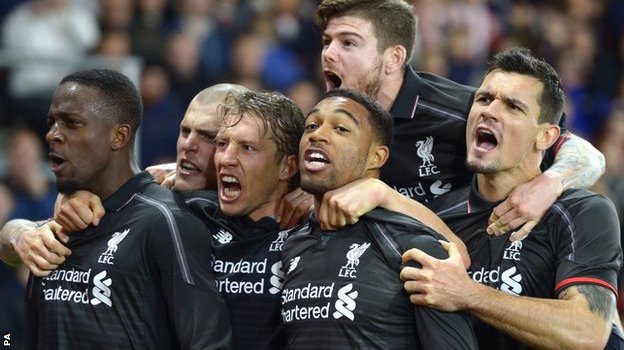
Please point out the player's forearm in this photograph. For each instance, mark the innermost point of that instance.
(11, 231)
(541, 323)
(577, 164)
(393, 200)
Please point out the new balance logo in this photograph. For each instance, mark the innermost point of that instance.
(293, 263)
(101, 292)
(223, 236)
(346, 302)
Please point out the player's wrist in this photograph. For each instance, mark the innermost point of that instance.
(384, 194)
(8, 252)
(553, 179)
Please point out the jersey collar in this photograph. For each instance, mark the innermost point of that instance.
(123, 195)
(403, 107)
(244, 226)
(476, 202)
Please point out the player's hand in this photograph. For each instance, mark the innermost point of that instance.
(39, 249)
(436, 283)
(79, 210)
(344, 205)
(164, 174)
(525, 207)
(294, 208)
(169, 180)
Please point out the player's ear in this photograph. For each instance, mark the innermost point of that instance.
(120, 136)
(394, 58)
(547, 136)
(378, 157)
(289, 167)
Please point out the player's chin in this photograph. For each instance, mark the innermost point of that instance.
(189, 183)
(231, 209)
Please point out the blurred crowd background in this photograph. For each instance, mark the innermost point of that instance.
(172, 49)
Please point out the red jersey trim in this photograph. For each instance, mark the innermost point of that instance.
(584, 280)
(561, 141)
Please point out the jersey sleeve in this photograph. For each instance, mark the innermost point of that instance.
(438, 329)
(589, 243)
(183, 255)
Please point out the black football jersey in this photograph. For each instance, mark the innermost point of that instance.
(141, 279)
(576, 242)
(342, 289)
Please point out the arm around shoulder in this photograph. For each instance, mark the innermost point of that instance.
(393, 200)
(33, 244)
(577, 164)
(11, 232)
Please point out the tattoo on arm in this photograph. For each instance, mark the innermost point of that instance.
(578, 163)
(601, 301)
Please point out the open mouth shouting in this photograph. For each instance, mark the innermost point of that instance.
(315, 160)
(56, 162)
(485, 139)
(332, 80)
(230, 188)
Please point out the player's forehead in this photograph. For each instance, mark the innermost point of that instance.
(350, 25)
(76, 99)
(512, 86)
(201, 117)
(340, 107)
(246, 127)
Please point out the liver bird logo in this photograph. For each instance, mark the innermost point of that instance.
(424, 151)
(114, 241)
(354, 254)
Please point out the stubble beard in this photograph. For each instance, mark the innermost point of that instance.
(475, 167)
(370, 85)
(67, 186)
(316, 187)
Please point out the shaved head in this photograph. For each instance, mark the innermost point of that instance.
(217, 93)
(195, 147)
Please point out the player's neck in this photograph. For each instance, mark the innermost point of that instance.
(268, 208)
(389, 90)
(497, 186)
(111, 178)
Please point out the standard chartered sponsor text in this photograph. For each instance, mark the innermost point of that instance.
(247, 277)
(308, 291)
(63, 294)
(240, 266)
(299, 313)
(60, 293)
(70, 275)
(240, 287)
